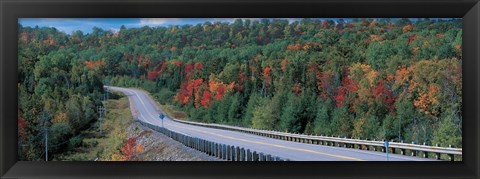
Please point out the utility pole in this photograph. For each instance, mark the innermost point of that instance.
(399, 128)
(105, 100)
(46, 134)
(101, 110)
(46, 144)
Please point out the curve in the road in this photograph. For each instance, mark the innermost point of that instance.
(148, 112)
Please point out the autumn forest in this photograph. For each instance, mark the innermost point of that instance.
(396, 79)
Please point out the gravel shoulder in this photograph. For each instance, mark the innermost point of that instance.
(158, 147)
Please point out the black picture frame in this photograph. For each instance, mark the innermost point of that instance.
(11, 10)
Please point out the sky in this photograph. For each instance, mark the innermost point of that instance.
(69, 25)
(86, 24)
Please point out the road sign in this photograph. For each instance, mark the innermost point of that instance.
(161, 117)
(386, 147)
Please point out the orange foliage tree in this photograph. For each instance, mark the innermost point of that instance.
(407, 28)
(92, 64)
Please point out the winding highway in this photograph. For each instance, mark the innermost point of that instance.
(148, 111)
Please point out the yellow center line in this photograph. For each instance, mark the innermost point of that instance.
(273, 145)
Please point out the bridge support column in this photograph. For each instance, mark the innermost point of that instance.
(414, 152)
(237, 153)
(214, 151)
(224, 152)
(188, 140)
(191, 140)
(451, 156)
(228, 152)
(220, 151)
(249, 155)
(197, 141)
(254, 156)
(437, 155)
(269, 157)
(211, 148)
(204, 146)
(242, 154)
(232, 149)
(425, 154)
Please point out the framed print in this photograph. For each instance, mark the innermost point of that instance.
(239, 89)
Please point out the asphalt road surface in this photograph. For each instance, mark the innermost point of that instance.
(149, 112)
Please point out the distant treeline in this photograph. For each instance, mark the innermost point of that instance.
(362, 78)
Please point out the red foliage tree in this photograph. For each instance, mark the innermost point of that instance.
(340, 98)
(379, 89)
(196, 87)
(411, 38)
(324, 24)
(324, 82)
(198, 66)
(22, 126)
(241, 79)
(128, 148)
(384, 94)
(206, 98)
(187, 89)
(220, 92)
(152, 75)
(266, 72)
(350, 84)
(188, 68)
(347, 86)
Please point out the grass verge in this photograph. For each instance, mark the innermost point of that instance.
(98, 146)
(171, 111)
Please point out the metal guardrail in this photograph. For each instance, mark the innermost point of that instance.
(402, 148)
(221, 151)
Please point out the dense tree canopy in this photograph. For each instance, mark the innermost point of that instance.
(366, 78)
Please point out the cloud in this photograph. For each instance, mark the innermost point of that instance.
(115, 30)
(231, 20)
(157, 21)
